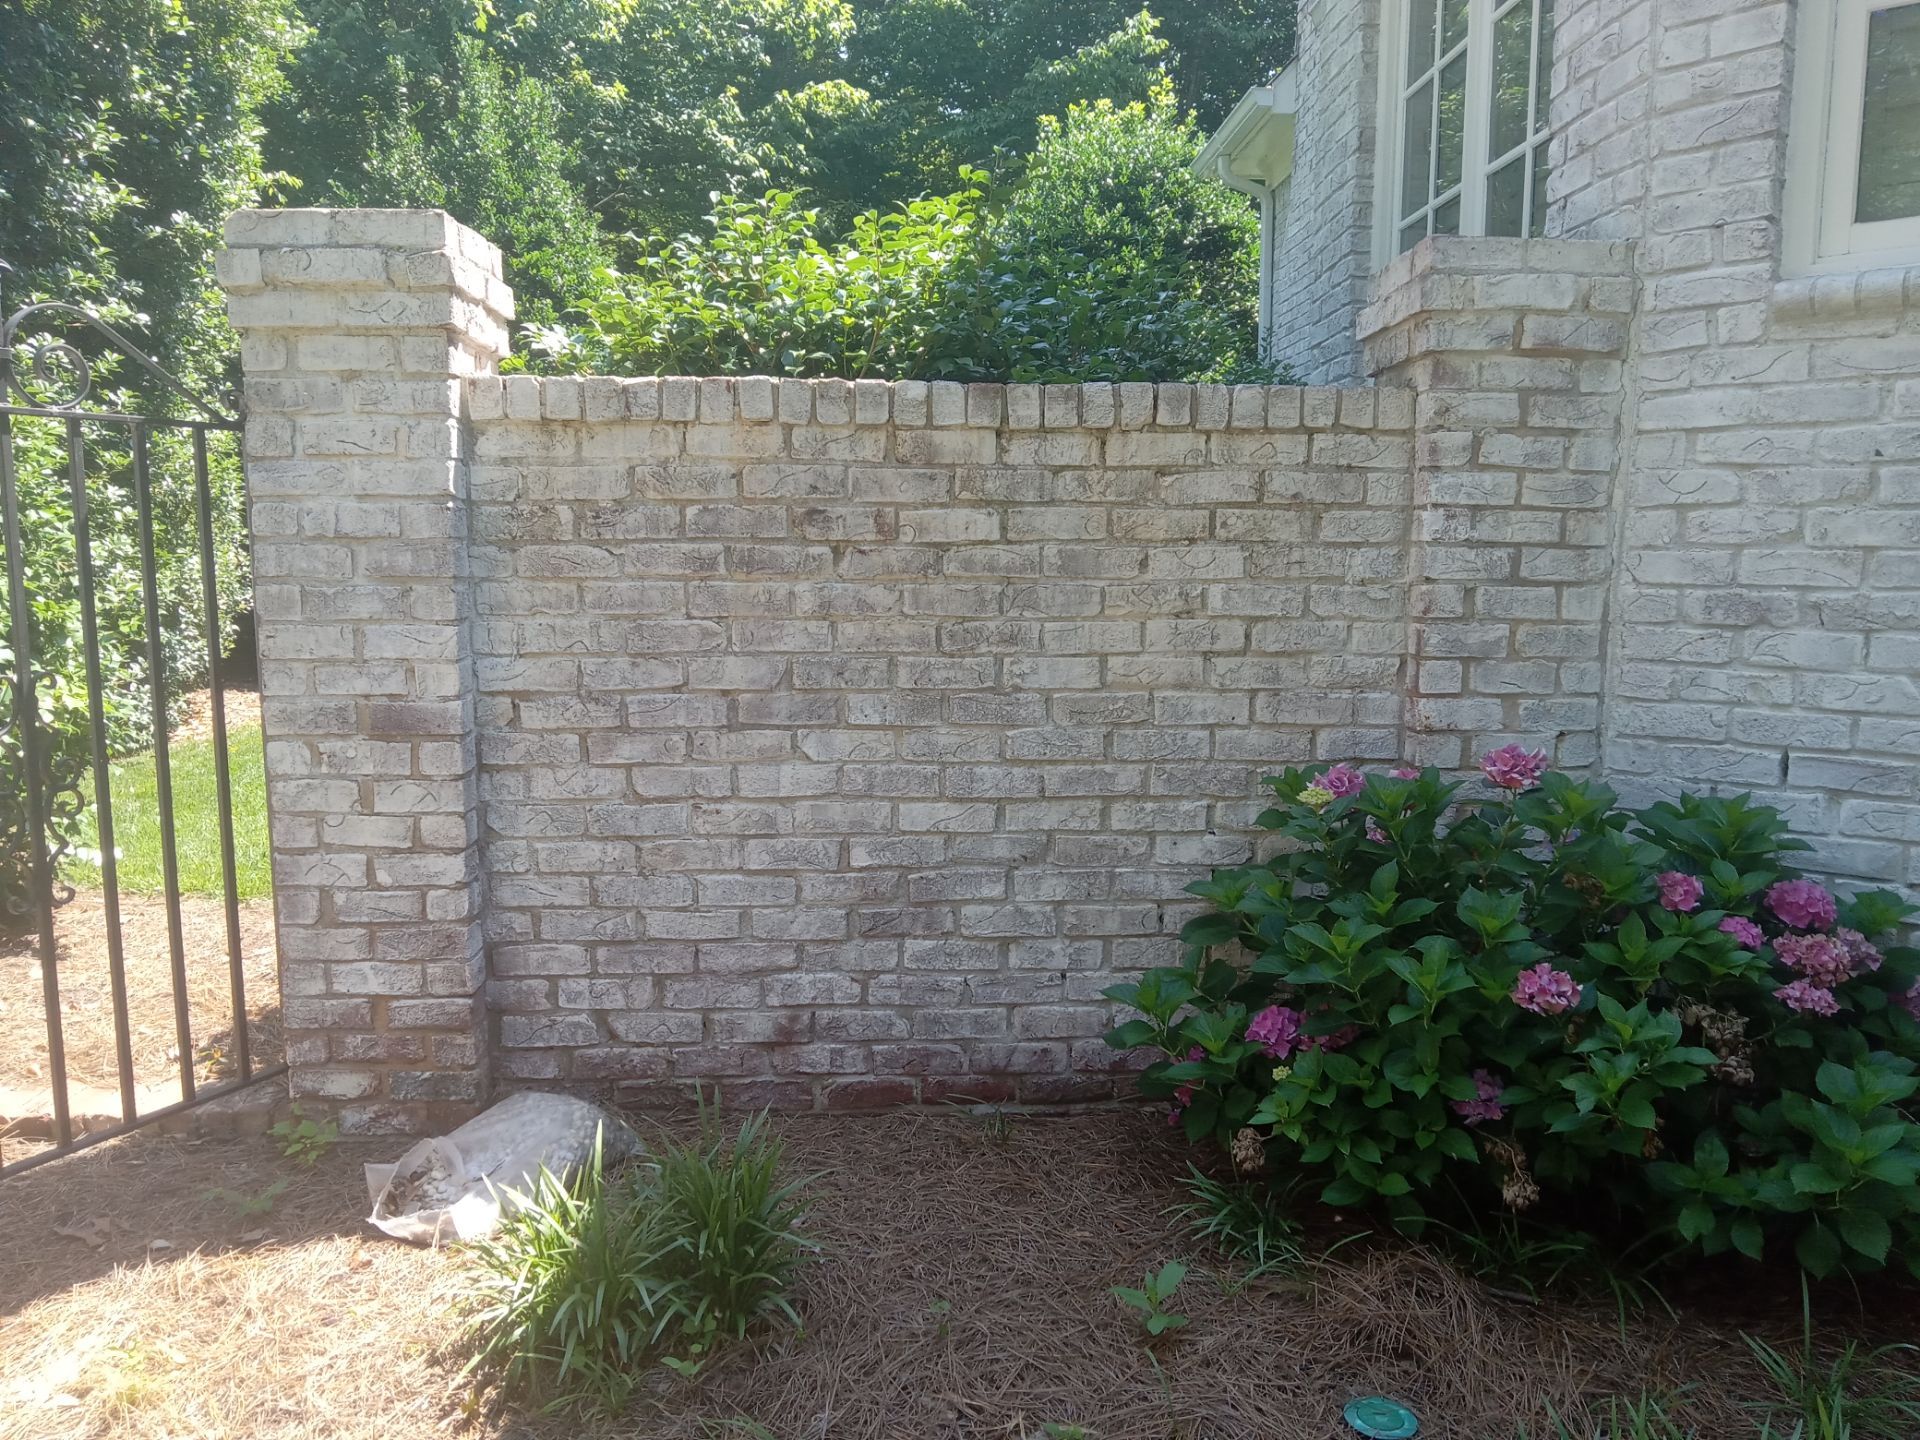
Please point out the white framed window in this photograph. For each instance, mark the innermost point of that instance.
(1463, 120)
(1853, 168)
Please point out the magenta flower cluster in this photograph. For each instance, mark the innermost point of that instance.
(1802, 905)
(1864, 954)
(1512, 767)
(1277, 1029)
(1911, 1000)
(1545, 990)
(1183, 1097)
(1744, 930)
(1486, 1102)
(1808, 998)
(1819, 958)
(1679, 890)
(1342, 780)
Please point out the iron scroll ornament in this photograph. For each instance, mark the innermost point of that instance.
(57, 370)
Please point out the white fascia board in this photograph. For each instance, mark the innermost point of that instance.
(1253, 149)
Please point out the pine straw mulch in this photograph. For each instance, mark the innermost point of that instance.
(86, 1008)
(963, 1297)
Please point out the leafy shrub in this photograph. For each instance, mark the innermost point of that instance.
(1537, 996)
(593, 1280)
(1111, 260)
(765, 295)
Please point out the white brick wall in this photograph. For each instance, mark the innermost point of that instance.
(1322, 255)
(1762, 580)
(844, 742)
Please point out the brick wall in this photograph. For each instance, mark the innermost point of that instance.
(1762, 572)
(846, 740)
(1322, 254)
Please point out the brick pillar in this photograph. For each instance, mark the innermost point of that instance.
(1516, 350)
(356, 328)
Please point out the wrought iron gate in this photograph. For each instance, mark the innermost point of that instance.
(49, 354)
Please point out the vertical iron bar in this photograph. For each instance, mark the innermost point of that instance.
(28, 722)
(102, 774)
(162, 767)
(222, 782)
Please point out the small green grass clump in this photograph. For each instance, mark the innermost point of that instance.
(593, 1281)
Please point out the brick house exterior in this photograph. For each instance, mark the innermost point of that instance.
(840, 742)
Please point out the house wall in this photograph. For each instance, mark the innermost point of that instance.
(1322, 262)
(1763, 582)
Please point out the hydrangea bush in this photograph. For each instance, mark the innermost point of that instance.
(1518, 993)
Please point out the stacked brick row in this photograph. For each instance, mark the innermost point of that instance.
(842, 741)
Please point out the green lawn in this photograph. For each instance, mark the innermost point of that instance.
(136, 820)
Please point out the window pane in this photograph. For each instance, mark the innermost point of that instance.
(1417, 166)
(1452, 123)
(1543, 91)
(1890, 120)
(1420, 22)
(1412, 235)
(1507, 197)
(1453, 24)
(1512, 69)
(1537, 216)
(1446, 218)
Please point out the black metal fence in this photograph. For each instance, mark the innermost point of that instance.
(56, 752)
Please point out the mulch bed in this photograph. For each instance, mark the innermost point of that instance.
(963, 1295)
(86, 1007)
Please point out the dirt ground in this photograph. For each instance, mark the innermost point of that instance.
(86, 1009)
(963, 1295)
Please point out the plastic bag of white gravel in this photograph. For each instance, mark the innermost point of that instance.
(457, 1186)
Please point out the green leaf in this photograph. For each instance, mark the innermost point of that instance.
(1818, 1250)
(1866, 1231)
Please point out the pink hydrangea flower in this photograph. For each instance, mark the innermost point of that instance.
(1513, 768)
(1276, 1030)
(1679, 890)
(1820, 958)
(1863, 952)
(1911, 1000)
(1802, 904)
(1808, 998)
(1374, 832)
(1744, 931)
(1545, 990)
(1183, 1097)
(1404, 772)
(1486, 1104)
(1343, 780)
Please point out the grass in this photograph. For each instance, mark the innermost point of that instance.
(135, 792)
(597, 1277)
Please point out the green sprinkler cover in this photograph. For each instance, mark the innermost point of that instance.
(1381, 1419)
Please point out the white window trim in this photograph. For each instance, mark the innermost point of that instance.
(1390, 126)
(1823, 149)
